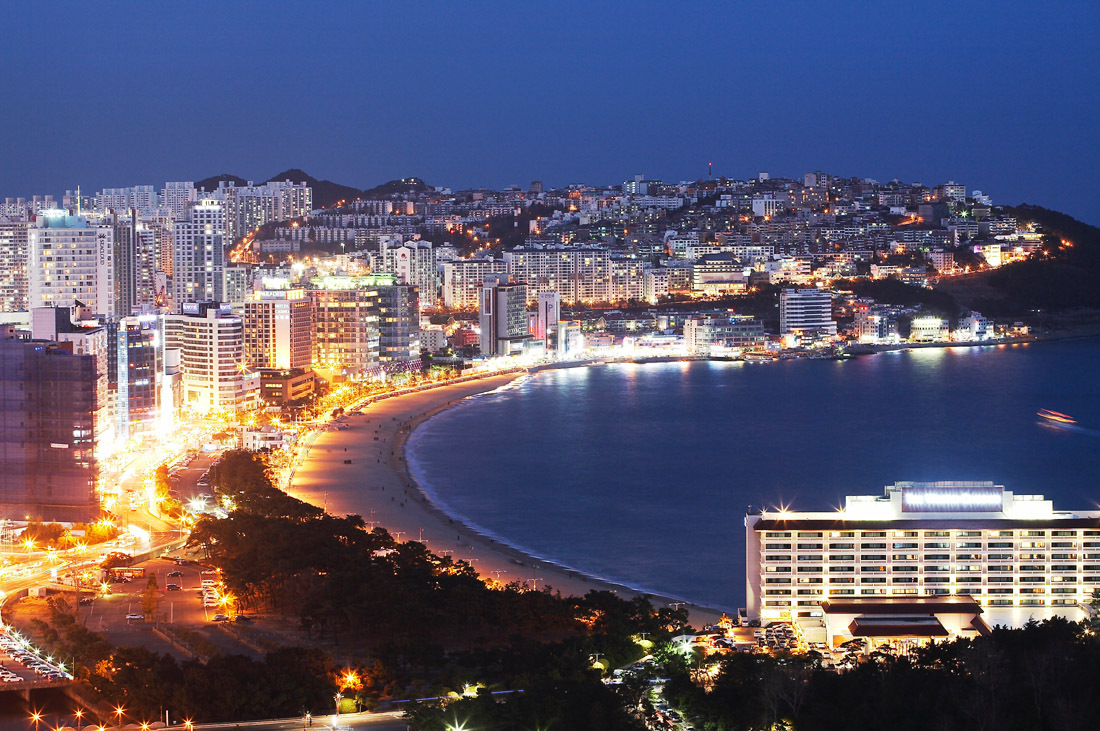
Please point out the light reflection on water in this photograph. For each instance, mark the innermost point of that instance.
(644, 472)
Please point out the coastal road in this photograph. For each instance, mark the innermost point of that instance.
(388, 721)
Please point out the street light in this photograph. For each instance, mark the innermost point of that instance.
(79, 713)
(119, 710)
(36, 717)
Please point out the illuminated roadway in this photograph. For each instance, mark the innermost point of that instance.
(388, 721)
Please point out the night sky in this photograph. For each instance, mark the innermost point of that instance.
(1000, 96)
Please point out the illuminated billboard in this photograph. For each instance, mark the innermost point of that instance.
(952, 499)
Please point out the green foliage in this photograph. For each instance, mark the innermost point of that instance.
(286, 682)
(1065, 277)
(895, 292)
(43, 534)
(1038, 677)
(428, 623)
(150, 597)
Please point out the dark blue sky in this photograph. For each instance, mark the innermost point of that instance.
(1001, 96)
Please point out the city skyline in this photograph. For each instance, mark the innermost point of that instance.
(497, 97)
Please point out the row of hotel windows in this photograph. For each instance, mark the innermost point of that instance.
(930, 533)
(945, 569)
(991, 591)
(913, 545)
(912, 557)
(817, 580)
(1001, 602)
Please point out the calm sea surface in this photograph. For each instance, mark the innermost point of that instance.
(643, 473)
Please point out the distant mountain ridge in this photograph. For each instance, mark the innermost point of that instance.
(326, 193)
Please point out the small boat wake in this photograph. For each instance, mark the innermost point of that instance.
(1056, 420)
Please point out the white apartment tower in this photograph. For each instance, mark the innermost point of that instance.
(806, 311)
(176, 197)
(198, 260)
(462, 277)
(580, 274)
(71, 259)
(141, 198)
(413, 263)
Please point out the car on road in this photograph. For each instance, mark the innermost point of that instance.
(221, 618)
(175, 573)
(173, 587)
(130, 617)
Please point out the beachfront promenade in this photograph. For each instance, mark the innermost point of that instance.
(377, 485)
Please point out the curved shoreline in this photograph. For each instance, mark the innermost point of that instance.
(381, 430)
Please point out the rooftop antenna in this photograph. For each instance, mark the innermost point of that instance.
(710, 171)
(78, 199)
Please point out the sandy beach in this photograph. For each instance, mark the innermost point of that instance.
(378, 486)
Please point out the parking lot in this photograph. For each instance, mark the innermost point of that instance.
(118, 614)
(20, 662)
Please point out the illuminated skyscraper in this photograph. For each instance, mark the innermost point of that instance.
(278, 329)
(503, 315)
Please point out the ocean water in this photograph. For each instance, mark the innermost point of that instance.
(643, 473)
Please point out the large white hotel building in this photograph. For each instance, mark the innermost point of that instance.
(1015, 555)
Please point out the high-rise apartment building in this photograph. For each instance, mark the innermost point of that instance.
(71, 259)
(136, 263)
(210, 340)
(278, 329)
(198, 261)
(503, 315)
(13, 265)
(1015, 554)
(177, 197)
(141, 198)
(806, 311)
(239, 283)
(413, 263)
(462, 277)
(48, 412)
(22, 209)
(578, 274)
(249, 206)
